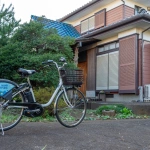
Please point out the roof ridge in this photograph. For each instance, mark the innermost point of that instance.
(52, 20)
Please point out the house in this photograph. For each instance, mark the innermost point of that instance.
(113, 48)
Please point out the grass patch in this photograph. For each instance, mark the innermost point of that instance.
(121, 112)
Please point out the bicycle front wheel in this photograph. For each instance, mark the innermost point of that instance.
(70, 110)
(10, 115)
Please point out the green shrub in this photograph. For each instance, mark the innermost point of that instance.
(42, 96)
(117, 108)
(126, 111)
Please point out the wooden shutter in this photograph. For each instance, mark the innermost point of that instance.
(100, 19)
(102, 72)
(128, 75)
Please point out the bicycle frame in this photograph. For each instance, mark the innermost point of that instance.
(59, 88)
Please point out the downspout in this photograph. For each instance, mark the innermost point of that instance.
(142, 58)
(123, 9)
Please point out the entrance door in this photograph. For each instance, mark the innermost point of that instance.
(83, 66)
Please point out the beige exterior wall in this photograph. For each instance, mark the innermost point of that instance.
(126, 33)
(108, 7)
(107, 40)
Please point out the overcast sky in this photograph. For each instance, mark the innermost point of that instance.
(52, 9)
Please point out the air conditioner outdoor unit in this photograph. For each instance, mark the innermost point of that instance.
(147, 91)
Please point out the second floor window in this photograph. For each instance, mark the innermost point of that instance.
(94, 22)
(88, 24)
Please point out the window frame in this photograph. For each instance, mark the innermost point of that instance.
(107, 52)
(87, 19)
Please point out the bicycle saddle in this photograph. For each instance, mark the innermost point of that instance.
(25, 72)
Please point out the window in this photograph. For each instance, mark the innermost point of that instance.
(88, 24)
(107, 47)
(91, 23)
(107, 67)
(84, 26)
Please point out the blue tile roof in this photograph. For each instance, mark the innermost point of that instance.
(63, 29)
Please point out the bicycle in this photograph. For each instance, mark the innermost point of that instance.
(19, 100)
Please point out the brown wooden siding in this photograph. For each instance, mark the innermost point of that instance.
(129, 11)
(91, 70)
(146, 63)
(127, 64)
(78, 28)
(140, 58)
(83, 66)
(100, 18)
(114, 15)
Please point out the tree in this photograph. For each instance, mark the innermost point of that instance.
(8, 24)
(28, 47)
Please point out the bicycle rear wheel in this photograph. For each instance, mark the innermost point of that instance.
(71, 112)
(10, 116)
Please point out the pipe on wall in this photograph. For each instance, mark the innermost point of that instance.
(123, 9)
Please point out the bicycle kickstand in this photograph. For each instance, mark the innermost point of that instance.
(0, 119)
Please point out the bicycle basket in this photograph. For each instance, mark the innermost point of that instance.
(72, 76)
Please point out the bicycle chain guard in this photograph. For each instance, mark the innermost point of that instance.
(34, 111)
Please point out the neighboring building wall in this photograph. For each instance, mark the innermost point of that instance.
(78, 28)
(132, 4)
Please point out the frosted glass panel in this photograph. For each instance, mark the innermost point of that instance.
(102, 72)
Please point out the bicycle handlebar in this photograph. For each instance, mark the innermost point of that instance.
(62, 59)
